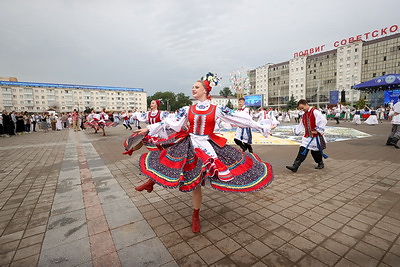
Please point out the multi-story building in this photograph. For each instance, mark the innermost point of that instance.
(38, 97)
(297, 77)
(380, 57)
(320, 77)
(349, 69)
(278, 84)
(261, 83)
(253, 83)
(316, 77)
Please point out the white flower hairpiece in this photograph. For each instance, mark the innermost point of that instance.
(212, 78)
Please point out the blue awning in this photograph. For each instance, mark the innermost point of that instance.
(386, 82)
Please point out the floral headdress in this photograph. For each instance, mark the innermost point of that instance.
(209, 81)
(158, 102)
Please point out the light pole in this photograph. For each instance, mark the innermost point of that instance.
(279, 96)
(352, 90)
(318, 94)
(167, 100)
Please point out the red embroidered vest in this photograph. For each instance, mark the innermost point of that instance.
(154, 119)
(202, 122)
(308, 120)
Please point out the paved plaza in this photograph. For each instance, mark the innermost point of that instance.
(67, 199)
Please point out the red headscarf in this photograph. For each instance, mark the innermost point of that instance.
(158, 102)
(208, 88)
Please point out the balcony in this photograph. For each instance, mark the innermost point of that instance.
(28, 103)
(28, 96)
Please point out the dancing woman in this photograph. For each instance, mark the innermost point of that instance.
(150, 117)
(194, 154)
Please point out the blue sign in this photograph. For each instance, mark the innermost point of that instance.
(253, 100)
(334, 97)
(391, 96)
(70, 86)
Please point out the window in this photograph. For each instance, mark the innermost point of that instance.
(366, 61)
(384, 58)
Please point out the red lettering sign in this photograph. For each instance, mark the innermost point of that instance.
(350, 40)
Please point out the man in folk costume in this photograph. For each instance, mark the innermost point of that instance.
(313, 122)
(395, 115)
(243, 137)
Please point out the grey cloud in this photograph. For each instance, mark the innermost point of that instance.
(167, 45)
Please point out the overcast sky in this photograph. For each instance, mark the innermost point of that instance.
(167, 45)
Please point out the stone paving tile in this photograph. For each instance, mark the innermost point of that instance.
(342, 215)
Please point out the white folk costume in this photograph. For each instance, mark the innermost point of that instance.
(357, 117)
(99, 121)
(151, 117)
(124, 117)
(58, 123)
(265, 118)
(381, 113)
(395, 134)
(194, 152)
(312, 120)
(134, 142)
(243, 136)
(372, 119)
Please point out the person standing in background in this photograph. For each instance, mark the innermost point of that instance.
(75, 120)
(394, 114)
(243, 137)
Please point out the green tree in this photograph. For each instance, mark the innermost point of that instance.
(225, 92)
(169, 100)
(360, 103)
(229, 104)
(181, 101)
(291, 104)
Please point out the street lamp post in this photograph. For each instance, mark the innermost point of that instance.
(352, 90)
(279, 96)
(318, 95)
(167, 100)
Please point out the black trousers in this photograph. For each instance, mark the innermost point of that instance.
(244, 146)
(303, 152)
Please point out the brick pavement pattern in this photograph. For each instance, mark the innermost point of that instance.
(67, 199)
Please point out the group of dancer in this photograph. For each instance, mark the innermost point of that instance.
(186, 153)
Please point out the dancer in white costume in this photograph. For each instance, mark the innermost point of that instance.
(372, 119)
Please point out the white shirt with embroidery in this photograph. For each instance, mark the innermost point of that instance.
(320, 122)
(239, 119)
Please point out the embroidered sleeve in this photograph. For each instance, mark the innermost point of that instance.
(164, 115)
(171, 122)
(320, 121)
(299, 128)
(225, 110)
(241, 119)
(141, 116)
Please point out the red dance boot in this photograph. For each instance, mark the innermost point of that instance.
(147, 185)
(129, 152)
(196, 221)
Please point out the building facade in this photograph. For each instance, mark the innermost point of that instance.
(315, 77)
(321, 77)
(39, 97)
(278, 84)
